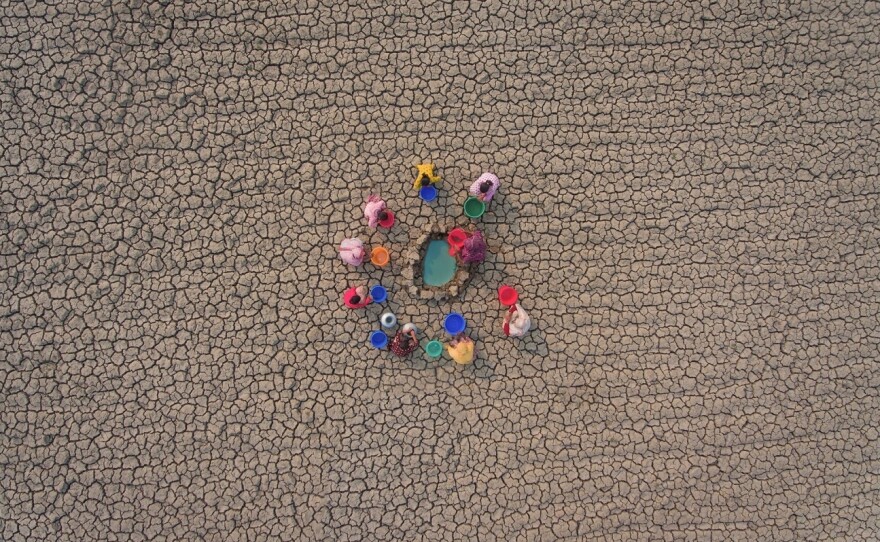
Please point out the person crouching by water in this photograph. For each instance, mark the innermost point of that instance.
(357, 297)
(474, 249)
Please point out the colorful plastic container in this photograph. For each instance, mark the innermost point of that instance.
(507, 295)
(434, 349)
(454, 323)
(456, 238)
(474, 208)
(389, 220)
(388, 320)
(378, 293)
(380, 256)
(428, 193)
(378, 340)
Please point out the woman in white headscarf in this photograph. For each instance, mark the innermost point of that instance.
(516, 321)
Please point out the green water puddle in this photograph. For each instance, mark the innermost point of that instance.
(438, 267)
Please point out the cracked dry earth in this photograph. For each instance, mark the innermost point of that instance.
(689, 208)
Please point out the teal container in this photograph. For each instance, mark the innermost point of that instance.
(474, 208)
(434, 349)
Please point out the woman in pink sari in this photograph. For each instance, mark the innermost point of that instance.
(375, 210)
(357, 297)
(352, 252)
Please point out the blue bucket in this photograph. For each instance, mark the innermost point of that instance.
(454, 323)
(378, 293)
(378, 339)
(428, 193)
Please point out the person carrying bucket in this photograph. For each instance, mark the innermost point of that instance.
(376, 213)
(484, 187)
(357, 297)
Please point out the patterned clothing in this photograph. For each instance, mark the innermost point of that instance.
(425, 171)
(403, 344)
(474, 190)
(474, 249)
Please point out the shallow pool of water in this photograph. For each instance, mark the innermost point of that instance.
(438, 267)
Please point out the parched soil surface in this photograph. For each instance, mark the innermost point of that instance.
(690, 209)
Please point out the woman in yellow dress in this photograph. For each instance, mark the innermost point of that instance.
(461, 350)
(425, 176)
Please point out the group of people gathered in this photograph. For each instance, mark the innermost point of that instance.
(473, 251)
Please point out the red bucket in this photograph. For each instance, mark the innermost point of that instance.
(389, 220)
(507, 295)
(456, 238)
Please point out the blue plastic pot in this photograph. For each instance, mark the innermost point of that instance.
(428, 193)
(378, 293)
(378, 339)
(454, 323)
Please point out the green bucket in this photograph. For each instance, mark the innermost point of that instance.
(434, 349)
(474, 208)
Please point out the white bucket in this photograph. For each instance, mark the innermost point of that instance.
(388, 320)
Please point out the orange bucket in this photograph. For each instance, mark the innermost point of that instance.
(379, 256)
